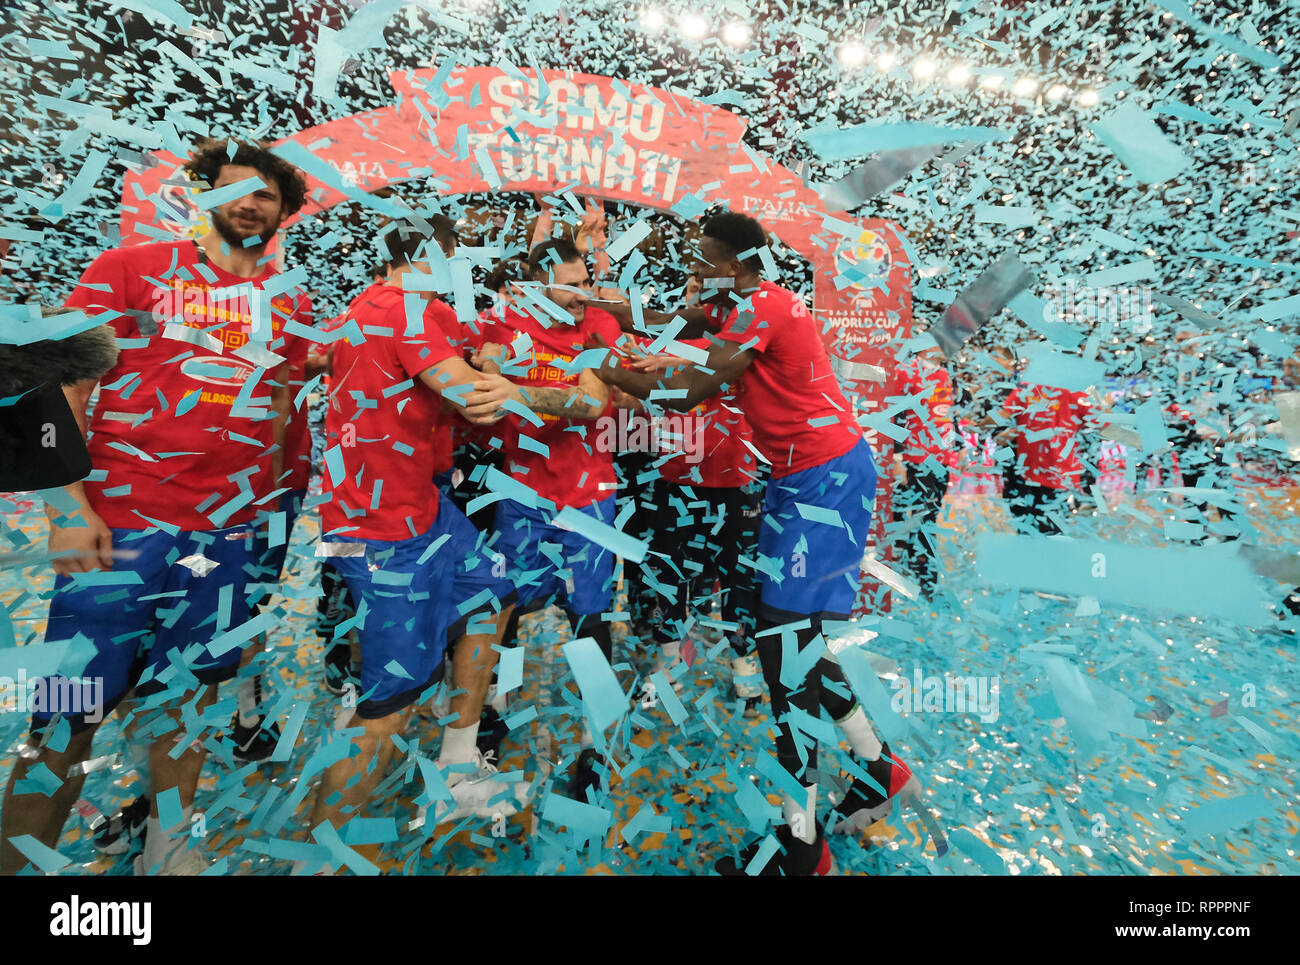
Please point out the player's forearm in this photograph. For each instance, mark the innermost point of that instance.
(317, 365)
(84, 510)
(567, 403)
(682, 387)
(698, 321)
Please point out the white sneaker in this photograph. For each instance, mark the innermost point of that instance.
(181, 862)
(472, 794)
(647, 694)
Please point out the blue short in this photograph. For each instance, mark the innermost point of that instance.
(810, 567)
(268, 559)
(417, 593)
(445, 481)
(549, 564)
(481, 582)
(152, 633)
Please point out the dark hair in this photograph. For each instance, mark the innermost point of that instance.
(211, 156)
(740, 233)
(504, 273)
(444, 231)
(404, 242)
(548, 253)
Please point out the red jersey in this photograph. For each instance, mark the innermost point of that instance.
(297, 434)
(711, 438)
(446, 432)
(932, 434)
(180, 429)
(1049, 419)
(796, 411)
(379, 428)
(559, 459)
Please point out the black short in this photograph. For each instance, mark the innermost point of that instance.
(702, 534)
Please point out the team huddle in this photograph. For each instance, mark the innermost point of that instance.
(464, 486)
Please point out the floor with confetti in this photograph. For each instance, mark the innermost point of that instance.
(1196, 775)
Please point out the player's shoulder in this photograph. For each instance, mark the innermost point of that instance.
(773, 300)
(439, 311)
(377, 297)
(155, 256)
(599, 320)
(515, 322)
(436, 306)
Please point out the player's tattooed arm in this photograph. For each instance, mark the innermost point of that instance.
(587, 401)
(488, 393)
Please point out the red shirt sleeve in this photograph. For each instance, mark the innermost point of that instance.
(420, 353)
(445, 318)
(107, 286)
(602, 323)
(493, 329)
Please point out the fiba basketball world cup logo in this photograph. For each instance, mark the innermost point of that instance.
(867, 265)
(862, 317)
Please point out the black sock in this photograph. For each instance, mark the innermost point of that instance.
(591, 625)
(806, 698)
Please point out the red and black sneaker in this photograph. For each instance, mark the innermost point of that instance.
(864, 805)
(794, 858)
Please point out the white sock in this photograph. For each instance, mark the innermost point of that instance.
(801, 816)
(458, 745)
(499, 702)
(343, 716)
(671, 652)
(248, 688)
(862, 738)
(587, 739)
(160, 845)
